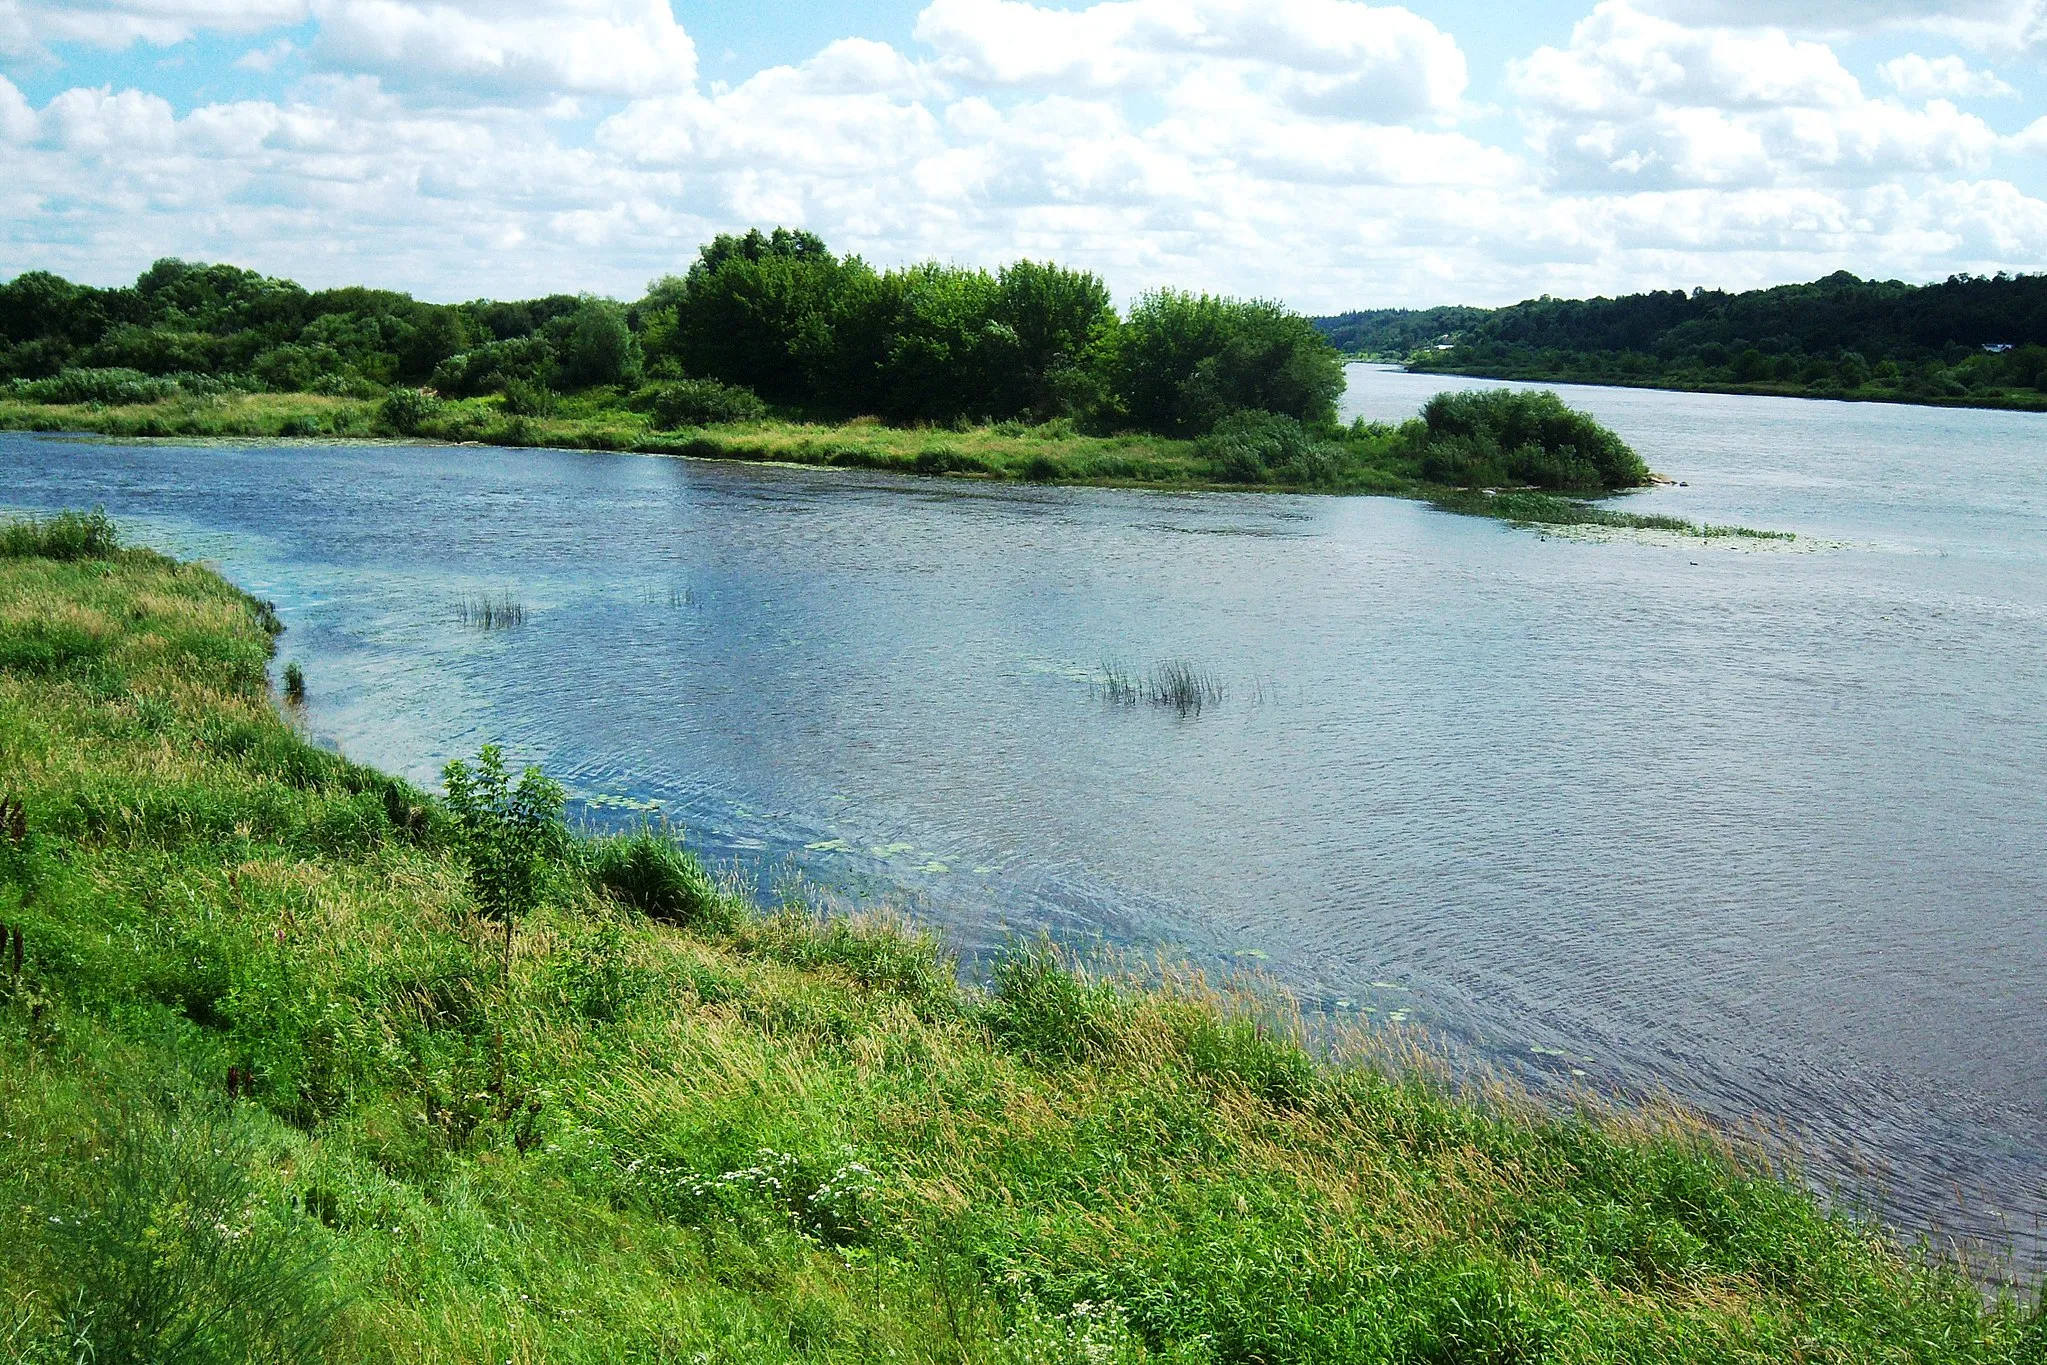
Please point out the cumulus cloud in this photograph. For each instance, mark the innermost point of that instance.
(29, 26)
(528, 50)
(1332, 56)
(1917, 77)
(1639, 100)
(2009, 25)
(1318, 150)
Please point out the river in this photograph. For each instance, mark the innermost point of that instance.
(1759, 825)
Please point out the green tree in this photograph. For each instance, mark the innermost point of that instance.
(512, 836)
(435, 334)
(602, 349)
(1185, 361)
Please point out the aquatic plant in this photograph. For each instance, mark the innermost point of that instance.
(1118, 684)
(294, 683)
(1184, 686)
(484, 611)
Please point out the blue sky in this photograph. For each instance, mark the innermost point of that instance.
(1333, 153)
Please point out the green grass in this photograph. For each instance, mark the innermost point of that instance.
(267, 1092)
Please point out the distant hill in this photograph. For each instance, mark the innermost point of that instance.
(1969, 339)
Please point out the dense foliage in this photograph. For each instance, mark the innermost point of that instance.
(1967, 339)
(777, 315)
(267, 1093)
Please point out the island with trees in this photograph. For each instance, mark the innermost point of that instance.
(1968, 341)
(772, 347)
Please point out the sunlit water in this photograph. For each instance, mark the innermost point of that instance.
(1762, 826)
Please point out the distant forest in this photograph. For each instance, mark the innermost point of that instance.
(1969, 339)
(760, 321)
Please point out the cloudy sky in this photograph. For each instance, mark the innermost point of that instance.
(1332, 153)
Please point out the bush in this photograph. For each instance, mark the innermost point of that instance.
(1256, 447)
(495, 366)
(68, 535)
(1501, 436)
(405, 411)
(702, 403)
(656, 877)
(116, 386)
(523, 399)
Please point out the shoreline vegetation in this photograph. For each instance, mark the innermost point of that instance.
(1365, 459)
(1969, 341)
(299, 1063)
(771, 348)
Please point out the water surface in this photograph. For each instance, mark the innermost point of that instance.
(1759, 825)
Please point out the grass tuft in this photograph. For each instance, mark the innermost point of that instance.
(488, 611)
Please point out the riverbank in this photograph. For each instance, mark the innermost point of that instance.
(2003, 400)
(1364, 462)
(263, 1052)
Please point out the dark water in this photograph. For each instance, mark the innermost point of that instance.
(1763, 826)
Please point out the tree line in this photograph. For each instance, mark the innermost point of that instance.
(1968, 337)
(774, 319)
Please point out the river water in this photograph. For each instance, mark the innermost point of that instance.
(1762, 826)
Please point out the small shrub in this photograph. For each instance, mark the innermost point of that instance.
(294, 683)
(1041, 469)
(702, 403)
(512, 837)
(529, 399)
(657, 877)
(67, 535)
(300, 424)
(405, 411)
(1264, 447)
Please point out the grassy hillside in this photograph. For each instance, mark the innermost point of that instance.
(270, 1089)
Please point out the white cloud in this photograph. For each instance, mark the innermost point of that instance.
(2007, 25)
(1317, 150)
(1331, 56)
(532, 50)
(1917, 77)
(28, 26)
(267, 58)
(1639, 100)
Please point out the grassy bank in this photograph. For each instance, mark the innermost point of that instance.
(271, 1089)
(1363, 459)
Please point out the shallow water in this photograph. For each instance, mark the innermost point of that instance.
(1758, 825)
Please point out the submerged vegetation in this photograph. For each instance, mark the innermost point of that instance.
(772, 348)
(275, 1085)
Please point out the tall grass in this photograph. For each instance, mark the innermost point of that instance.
(67, 535)
(1178, 684)
(269, 1090)
(1185, 687)
(491, 611)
